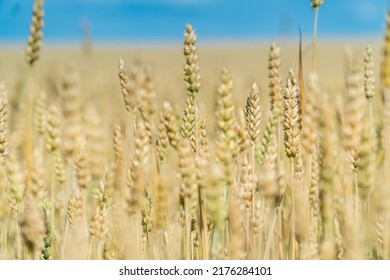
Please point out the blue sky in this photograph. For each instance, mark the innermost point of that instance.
(164, 20)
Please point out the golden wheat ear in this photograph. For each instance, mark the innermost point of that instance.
(36, 35)
(3, 122)
(292, 118)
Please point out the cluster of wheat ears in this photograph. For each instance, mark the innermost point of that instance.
(307, 179)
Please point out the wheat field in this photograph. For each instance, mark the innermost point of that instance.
(195, 151)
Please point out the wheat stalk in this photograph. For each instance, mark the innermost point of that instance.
(315, 4)
(291, 126)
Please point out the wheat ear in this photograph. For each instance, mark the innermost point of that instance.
(291, 126)
(36, 35)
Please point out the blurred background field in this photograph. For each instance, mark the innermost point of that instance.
(248, 63)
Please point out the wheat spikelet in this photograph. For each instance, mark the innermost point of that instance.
(298, 172)
(142, 147)
(3, 122)
(192, 81)
(379, 228)
(118, 144)
(339, 241)
(257, 222)
(268, 179)
(140, 159)
(162, 140)
(366, 170)
(98, 227)
(115, 175)
(13, 204)
(128, 95)
(53, 132)
(36, 35)
(311, 117)
(40, 113)
(291, 118)
(170, 124)
(227, 141)
(269, 132)
(369, 77)
(247, 183)
(275, 80)
(82, 172)
(253, 118)
(187, 175)
(147, 103)
(253, 114)
(187, 128)
(203, 139)
(75, 209)
(191, 67)
(59, 168)
(146, 220)
(242, 135)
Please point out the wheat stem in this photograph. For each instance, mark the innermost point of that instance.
(292, 210)
(18, 240)
(188, 242)
(314, 62)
